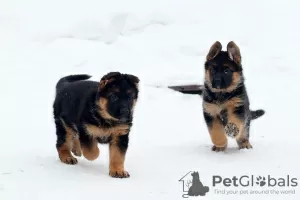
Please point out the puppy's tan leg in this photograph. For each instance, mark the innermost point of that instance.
(75, 143)
(117, 150)
(243, 139)
(64, 151)
(91, 151)
(65, 143)
(240, 131)
(218, 136)
(216, 131)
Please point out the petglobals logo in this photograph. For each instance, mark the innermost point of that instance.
(251, 181)
(254, 185)
(195, 184)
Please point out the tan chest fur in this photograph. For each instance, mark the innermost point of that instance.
(214, 109)
(96, 131)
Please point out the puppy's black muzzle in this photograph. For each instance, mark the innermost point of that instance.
(217, 83)
(125, 114)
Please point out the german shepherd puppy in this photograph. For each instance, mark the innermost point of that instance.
(225, 101)
(88, 112)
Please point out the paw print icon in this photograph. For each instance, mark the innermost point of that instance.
(261, 181)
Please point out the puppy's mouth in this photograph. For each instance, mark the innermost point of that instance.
(125, 115)
(219, 85)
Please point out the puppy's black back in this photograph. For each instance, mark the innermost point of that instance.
(73, 98)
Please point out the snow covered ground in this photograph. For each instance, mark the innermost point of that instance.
(163, 42)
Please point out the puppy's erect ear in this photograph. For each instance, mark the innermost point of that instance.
(234, 52)
(214, 50)
(133, 78)
(108, 78)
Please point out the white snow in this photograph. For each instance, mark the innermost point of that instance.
(163, 42)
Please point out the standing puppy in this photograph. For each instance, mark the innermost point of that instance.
(88, 112)
(225, 100)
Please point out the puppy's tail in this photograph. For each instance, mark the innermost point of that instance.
(70, 79)
(257, 113)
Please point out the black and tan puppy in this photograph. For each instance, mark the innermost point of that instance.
(225, 101)
(88, 112)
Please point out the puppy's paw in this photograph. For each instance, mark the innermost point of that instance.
(119, 174)
(218, 149)
(69, 160)
(244, 144)
(231, 130)
(91, 153)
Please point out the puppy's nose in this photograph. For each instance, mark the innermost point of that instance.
(217, 83)
(218, 80)
(124, 112)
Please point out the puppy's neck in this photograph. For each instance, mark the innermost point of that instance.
(225, 90)
(219, 97)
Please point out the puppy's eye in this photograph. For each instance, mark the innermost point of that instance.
(130, 97)
(113, 98)
(227, 70)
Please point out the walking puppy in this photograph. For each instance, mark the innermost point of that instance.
(225, 101)
(88, 112)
